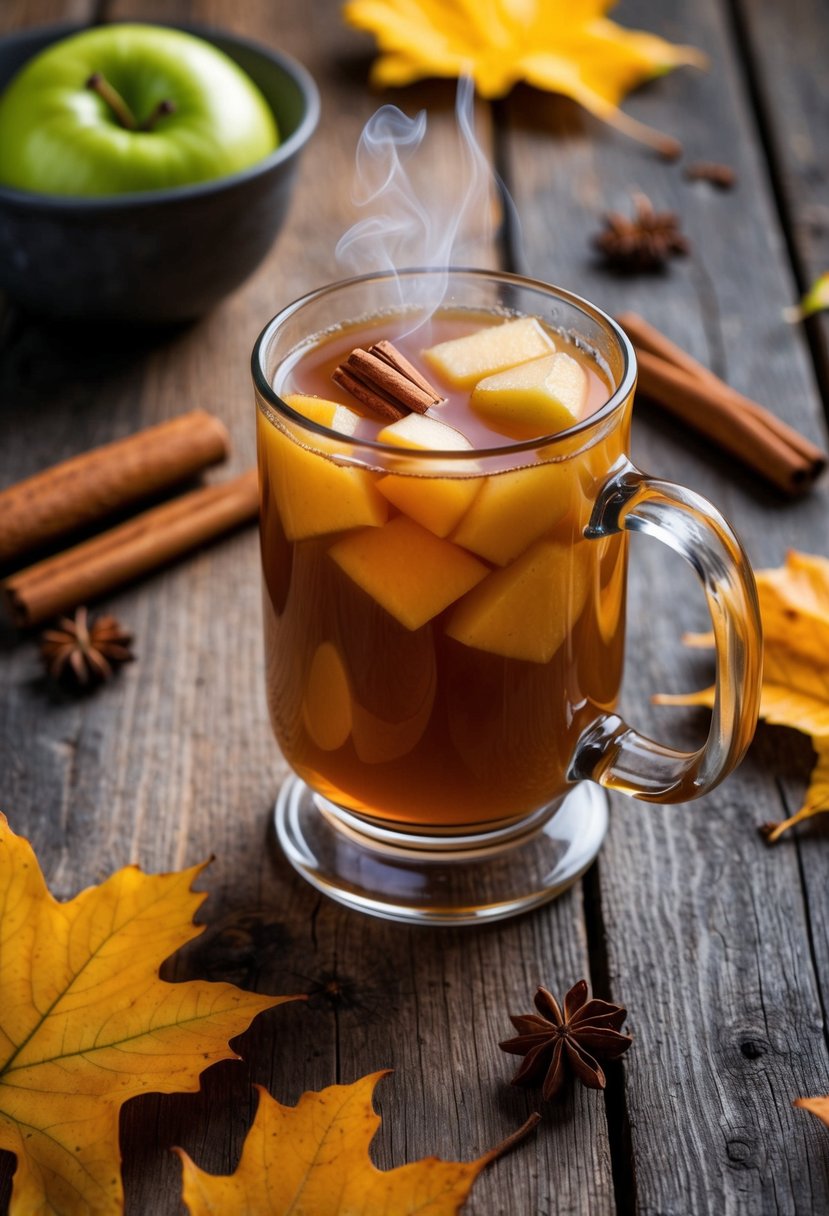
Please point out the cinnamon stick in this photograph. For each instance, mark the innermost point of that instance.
(683, 386)
(389, 353)
(373, 401)
(61, 499)
(382, 375)
(122, 554)
(646, 337)
(385, 382)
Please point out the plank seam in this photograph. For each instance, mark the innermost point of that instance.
(808, 917)
(622, 1163)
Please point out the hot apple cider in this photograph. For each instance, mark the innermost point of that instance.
(438, 630)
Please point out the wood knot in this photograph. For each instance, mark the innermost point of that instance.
(333, 991)
(244, 949)
(366, 997)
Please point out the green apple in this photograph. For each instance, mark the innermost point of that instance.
(124, 107)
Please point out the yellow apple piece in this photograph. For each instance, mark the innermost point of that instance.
(408, 570)
(493, 348)
(611, 571)
(336, 417)
(526, 610)
(393, 678)
(514, 509)
(326, 705)
(438, 503)
(534, 399)
(314, 495)
(378, 740)
(422, 431)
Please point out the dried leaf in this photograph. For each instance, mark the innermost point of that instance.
(85, 1023)
(816, 801)
(815, 299)
(564, 46)
(818, 1106)
(312, 1160)
(794, 607)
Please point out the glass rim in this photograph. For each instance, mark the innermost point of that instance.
(617, 398)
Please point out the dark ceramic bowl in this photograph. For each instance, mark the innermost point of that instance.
(161, 255)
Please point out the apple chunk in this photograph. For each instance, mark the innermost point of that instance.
(378, 740)
(421, 431)
(534, 399)
(336, 417)
(326, 705)
(410, 572)
(515, 509)
(315, 496)
(463, 361)
(438, 503)
(526, 610)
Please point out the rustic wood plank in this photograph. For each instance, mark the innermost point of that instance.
(176, 759)
(15, 14)
(707, 932)
(785, 49)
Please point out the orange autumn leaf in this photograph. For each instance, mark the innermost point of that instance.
(818, 1106)
(563, 46)
(794, 607)
(85, 1023)
(312, 1159)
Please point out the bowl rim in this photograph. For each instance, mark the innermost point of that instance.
(48, 34)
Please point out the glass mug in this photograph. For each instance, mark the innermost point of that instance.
(444, 631)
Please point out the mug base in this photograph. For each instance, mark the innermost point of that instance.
(461, 880)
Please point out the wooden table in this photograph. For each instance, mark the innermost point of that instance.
(717, 945)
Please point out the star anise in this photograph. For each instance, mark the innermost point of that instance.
(79, 653)
(555, 1044)
(644, 243)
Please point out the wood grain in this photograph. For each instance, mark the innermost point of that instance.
(716, 944)
(707, 932)
(15, 14)
(785, 50)
(176, 760)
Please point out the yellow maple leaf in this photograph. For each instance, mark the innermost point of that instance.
(85, 1023)
(312, 1160)
(564, 46)
(818, 1106)
(794, 608)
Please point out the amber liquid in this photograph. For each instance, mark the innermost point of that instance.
(469, 718)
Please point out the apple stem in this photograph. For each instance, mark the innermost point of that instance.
(160, 111)
(100, 85)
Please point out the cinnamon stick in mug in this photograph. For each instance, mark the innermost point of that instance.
(142, 544)
(68, 496)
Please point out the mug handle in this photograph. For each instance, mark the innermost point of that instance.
(614, 754)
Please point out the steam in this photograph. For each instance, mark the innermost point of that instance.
(409, 221)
